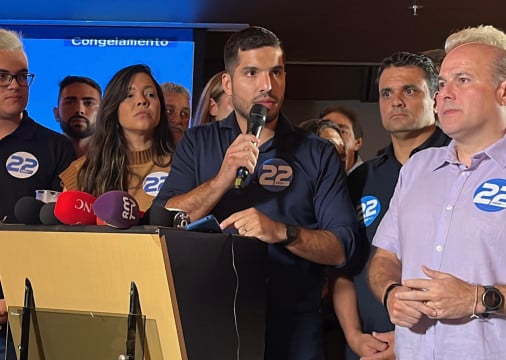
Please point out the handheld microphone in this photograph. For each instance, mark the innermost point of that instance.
(161, 216)
(47, 216)
(75, 208)
(256, 122)
(118, 209)
(26, 210)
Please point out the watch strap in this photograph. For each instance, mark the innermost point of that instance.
(291, 235)
(387, 292)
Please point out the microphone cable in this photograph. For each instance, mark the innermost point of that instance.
(236, 293)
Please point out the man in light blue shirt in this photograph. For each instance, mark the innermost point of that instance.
(440, 267)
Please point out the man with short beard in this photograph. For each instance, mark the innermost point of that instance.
(78, 103)
(295, 198)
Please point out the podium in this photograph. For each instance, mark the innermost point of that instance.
(202, 295)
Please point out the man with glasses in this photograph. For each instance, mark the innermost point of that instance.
(31, 156)
(177, 103)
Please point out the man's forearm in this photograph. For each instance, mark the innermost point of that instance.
(384, 269)
(199, 201)
(345, 306)
(319, 246)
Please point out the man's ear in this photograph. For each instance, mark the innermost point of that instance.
(358, 144)
(226, 83)
(501, 93)
(56, 115)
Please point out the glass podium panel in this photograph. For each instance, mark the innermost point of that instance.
(63, 334)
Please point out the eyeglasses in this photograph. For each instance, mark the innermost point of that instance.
(23, 79)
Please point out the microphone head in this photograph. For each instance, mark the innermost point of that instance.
(26, 210)
(256, 119)
(118, 209)
(47, 216)
(75, 208)
(47, 196)
(161, 216)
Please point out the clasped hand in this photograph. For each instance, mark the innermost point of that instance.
(442, 296)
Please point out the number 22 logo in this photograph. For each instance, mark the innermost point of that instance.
(154, 182)
(22, 165)
(370, 208)
(275, 175)
(491, 195)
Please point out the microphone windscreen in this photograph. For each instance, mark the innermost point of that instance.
(160, 216)
(26, 210)
(118, 209)
(47, 216)
(256, 119)
(75, 208)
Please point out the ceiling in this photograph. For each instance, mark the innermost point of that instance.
(330, 44)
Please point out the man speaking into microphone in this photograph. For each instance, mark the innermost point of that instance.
(294, 197)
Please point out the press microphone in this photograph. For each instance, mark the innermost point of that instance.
(75, 208)
(26, 210)
(256, 122)
(118, 209)
(161, 216)
(47, 216)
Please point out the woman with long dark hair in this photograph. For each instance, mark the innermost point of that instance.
(132, 146)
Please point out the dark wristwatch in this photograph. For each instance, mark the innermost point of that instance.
(492, 299)
(291, 235)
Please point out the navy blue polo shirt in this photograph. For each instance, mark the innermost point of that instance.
(371, 186)
(31, 157)
(298, 180)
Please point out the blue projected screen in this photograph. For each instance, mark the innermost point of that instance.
(51, 59)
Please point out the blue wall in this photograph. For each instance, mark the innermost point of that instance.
(124, 10)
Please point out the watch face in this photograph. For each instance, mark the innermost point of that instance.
(492, 298)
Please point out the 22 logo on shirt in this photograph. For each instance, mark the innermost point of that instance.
(491, 195)
(369, 210)
(275, 174)
(154, 182)
(22, 165)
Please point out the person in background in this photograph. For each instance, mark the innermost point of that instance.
(214, 104)
(177, 103)
(436, 55)
(407, 83)
(295, 200)
(132, 146)
(78, 101)
(327, 130)
(438, 267)
(333, 336)
(31, 155)
(350, 129)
